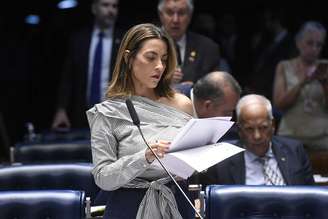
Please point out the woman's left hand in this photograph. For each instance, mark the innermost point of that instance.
(161, 147)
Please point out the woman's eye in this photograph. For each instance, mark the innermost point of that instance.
(151, 58)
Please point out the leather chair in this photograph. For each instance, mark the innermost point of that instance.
(75, 176)
(60, 152)
(32, 204)
(266, 202)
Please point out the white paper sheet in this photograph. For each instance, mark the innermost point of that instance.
(200, 132)
(195, 147)
(184, 163)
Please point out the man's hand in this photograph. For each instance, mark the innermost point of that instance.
(177, 76)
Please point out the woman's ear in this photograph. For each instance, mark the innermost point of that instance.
(126, 56)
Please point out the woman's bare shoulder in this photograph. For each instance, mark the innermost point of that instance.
(180, 102)
(183, 103)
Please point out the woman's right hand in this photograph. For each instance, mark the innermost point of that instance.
(161, 147)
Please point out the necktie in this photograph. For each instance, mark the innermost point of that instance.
(177, 49)
(271, 176)
(96, 72)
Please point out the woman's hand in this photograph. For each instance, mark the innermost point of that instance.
(161, 147)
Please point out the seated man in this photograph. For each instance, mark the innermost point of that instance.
(268, 159)
(216, 94)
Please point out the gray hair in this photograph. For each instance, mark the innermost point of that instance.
(310, 26)
(190, 4)
(254, 98)
(212, 88)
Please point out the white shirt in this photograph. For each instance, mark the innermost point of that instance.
(254, 169)
(105, 62)
(182, 46)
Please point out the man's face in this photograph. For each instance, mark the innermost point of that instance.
(255, 128)
(105, 12)
(175, 17)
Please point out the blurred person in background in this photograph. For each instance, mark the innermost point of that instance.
(81, 85)
(197, 54)
(301, 89)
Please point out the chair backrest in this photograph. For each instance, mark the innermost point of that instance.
(264, 202)
(4, 140)
(73, 151)
(75, 176)
(32, 204)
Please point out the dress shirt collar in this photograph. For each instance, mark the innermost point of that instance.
(254, 158)
(108, 32)
(182, 41)
(193, 102)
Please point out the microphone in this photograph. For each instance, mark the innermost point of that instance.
(132, 112)
(136, 122)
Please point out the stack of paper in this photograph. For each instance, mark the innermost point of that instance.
(195, 147)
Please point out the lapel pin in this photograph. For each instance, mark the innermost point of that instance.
(192, 56)
(283, 159)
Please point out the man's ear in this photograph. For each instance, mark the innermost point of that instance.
(207, 104)
(126, 56)
(238, 126)
(273, 122)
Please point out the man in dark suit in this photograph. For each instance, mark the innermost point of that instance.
(267, 160)
(268, 53)
(197, 54)
(75, 87)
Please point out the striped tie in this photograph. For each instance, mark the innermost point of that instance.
(271, 176)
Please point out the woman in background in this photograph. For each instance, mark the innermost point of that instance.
(301, 90)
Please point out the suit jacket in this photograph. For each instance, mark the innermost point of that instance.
(290, 155)
(72, 94)
(201, 57)
(261, 80)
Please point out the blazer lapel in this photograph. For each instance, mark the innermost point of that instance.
(237, 168)
(117, 37)
(190, 56)
(282, 160)
(85, 41)
(237, 165)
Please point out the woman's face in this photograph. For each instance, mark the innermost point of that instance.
(310, 45)
(148, 65)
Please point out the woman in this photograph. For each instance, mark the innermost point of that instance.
(144, 66)
(301, 90)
